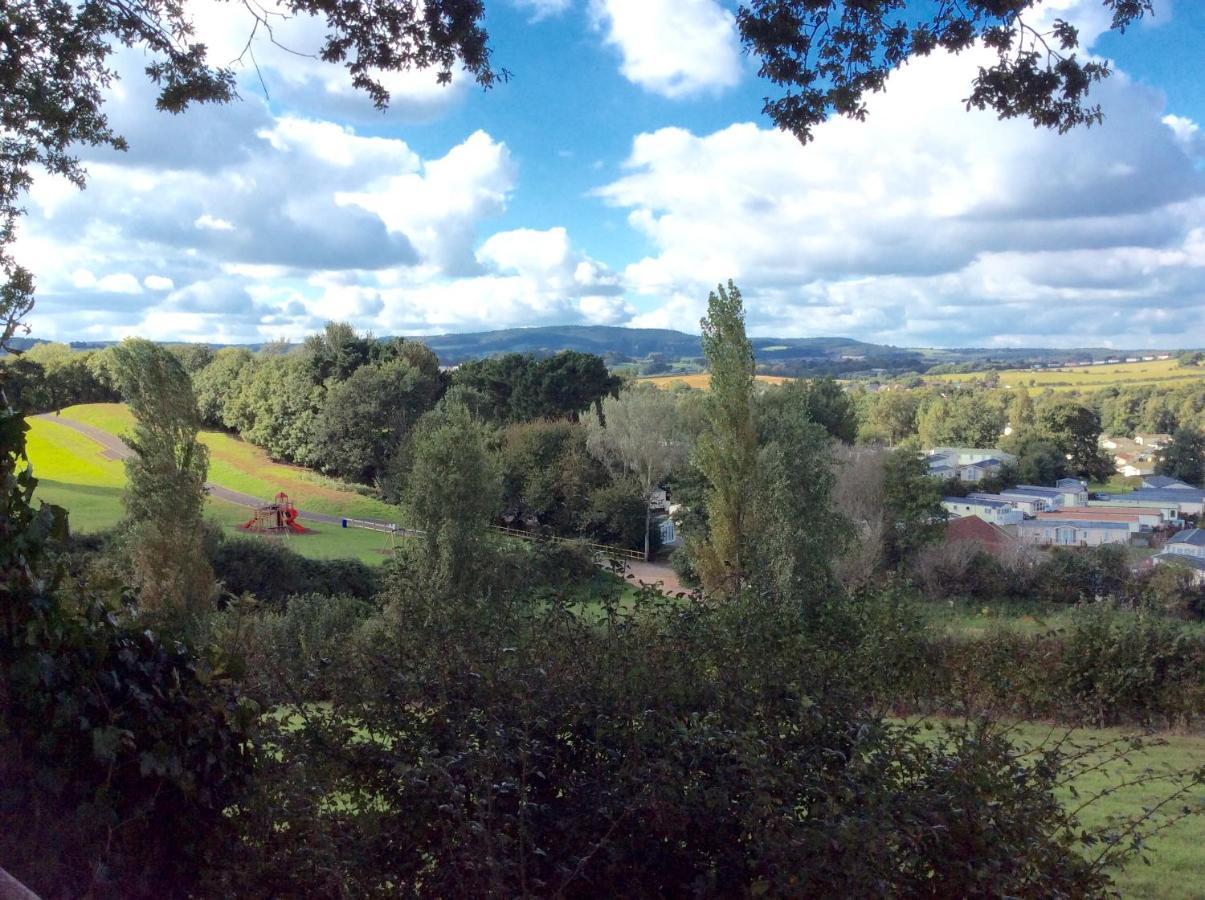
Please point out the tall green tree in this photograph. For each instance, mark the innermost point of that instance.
(643, 437)
(165, 482)
(1184, 458)
(452, 492)
(911, 505)
(1075, 429)
(796, 531)
(726, 453)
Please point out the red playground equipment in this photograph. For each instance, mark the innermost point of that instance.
(278, 517)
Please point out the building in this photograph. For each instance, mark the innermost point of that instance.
(1053, 531)
(1181, 502)
(997, 512)
(1043, 499)
(1029, 506)
(1152, 440)
(984, 535)
(1186, 548)
(969, 464)
(1148, 517)
(1165, 482)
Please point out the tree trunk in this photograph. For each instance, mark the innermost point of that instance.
(648, 517)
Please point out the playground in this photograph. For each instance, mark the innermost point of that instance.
(77, 456)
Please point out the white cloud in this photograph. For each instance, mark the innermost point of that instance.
(676, 48)
(542, 9)
(212, 223)
(951, 232)
(158, 283)
(119, 283)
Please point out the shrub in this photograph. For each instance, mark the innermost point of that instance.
(272, 572)
(1173, 590)
(487, 748)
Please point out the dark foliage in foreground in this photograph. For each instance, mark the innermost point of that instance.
(511, 748)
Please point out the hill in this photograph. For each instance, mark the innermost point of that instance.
(84, 476)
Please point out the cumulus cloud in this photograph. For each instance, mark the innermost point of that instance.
(925, 223)
(675, 48)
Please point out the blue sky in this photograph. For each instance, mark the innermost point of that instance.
(624, 170)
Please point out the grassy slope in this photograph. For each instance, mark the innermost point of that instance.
(1176, 854)
(73, 474)
(1089, 378)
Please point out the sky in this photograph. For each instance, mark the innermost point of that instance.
(623, 171)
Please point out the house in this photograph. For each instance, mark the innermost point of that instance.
(1057, 532)
(996, 512)
(1182, 502)
(985, 535)
(1163, 482)
(1132, 466)
(1046, 499)
(967, 463)
(1075, 492)
(1029, 506)
(1132, 520)
(1152, 440)
(1186, 548)
(1147, 516)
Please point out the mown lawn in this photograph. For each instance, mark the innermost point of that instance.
(73, 473)
(244, 467)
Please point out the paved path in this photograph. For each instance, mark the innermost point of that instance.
(114, 447)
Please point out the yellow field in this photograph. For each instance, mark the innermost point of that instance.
(1164, 372)
(700, 380)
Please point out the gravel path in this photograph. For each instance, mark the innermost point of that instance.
(113, 447)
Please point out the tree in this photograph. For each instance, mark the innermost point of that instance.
(911, 503)
(165, 482)
(829, 54)
(726, 453)
(1075, 430)
(819, 400)
(962, 419)
(1184, 457)
(642, 436)
(796, 531)
(887, 417)
(451, 494)
(219, 383)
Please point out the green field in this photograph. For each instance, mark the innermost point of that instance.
(73, 473)
(1178, 854)
(1165, 372)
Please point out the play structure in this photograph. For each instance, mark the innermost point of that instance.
(277, 517)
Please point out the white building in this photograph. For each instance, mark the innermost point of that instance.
(1186, 548)
(1055, 532)
(997, 512)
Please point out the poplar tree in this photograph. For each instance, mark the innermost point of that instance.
(165, 482)
(727, 450)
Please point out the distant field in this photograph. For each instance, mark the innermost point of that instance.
(1088, 378)
(700, 380)
(73, 473)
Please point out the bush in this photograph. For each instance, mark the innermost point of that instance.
(272, 572)
(499, 748)
(1173, 590)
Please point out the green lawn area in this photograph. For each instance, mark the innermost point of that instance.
(1117, 484)
(73, 474)
(1178, 854)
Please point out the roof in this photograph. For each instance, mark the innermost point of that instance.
(1174, 494)
(1075, 523)
(1070, 483)
(979, 495)
(1193, 536)
(973, 528)
(990, 461)
(976, 501)
(1194, 562)
(1164, 481)
(1029, 490)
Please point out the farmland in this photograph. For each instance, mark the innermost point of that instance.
(700, 380)
(1163, 372)
(74, 472)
